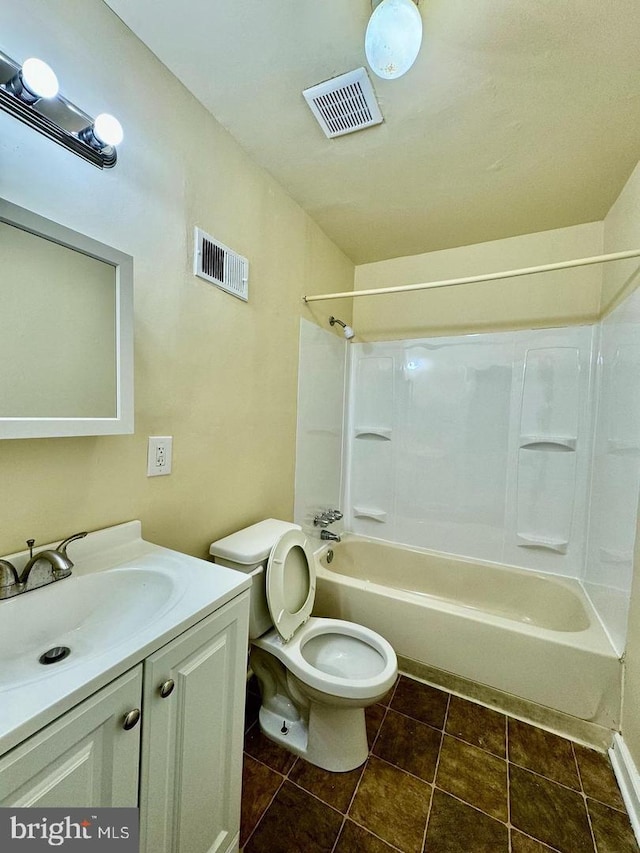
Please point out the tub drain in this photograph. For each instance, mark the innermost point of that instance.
(57, 653)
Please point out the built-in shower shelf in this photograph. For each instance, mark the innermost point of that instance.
(610, 555)
(554, 443)
(373, 433)
(371, 513)
(531, 540)
(620, 447)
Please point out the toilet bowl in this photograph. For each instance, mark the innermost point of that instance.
(316, 675)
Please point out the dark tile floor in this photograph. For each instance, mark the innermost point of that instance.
(444, 775)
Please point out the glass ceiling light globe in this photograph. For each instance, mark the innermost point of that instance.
(39, 78)
(108, 129)
(393, 38)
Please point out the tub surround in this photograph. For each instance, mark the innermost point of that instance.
(477, 445)
(463, 618)
(615, 483)
(321, 382)
(513, 447)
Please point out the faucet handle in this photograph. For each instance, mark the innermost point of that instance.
(62, 547)
(327, 517)
(8, 574)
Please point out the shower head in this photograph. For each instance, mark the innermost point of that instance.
(347, 330)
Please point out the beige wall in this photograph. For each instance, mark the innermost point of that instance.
(550, 299)
(622, 231)
(216, 373)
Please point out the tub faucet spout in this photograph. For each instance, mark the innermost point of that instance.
(328, 536)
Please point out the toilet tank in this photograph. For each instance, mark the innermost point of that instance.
(248, 551)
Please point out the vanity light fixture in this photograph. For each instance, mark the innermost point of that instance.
(393, 38)
(105, 130)
(30, 93)
(34, 81)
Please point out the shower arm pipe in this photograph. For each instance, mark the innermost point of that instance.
(496, 276)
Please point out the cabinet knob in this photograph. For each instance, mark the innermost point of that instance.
(166, 689)
(131, 719)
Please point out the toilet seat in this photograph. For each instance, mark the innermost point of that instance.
(369, 685)
(290, 583)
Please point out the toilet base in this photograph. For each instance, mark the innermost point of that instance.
(334, 739)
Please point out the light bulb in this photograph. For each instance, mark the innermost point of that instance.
(393, 38)
(39, 78)
(108, 129)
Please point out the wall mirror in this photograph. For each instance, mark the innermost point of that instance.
(66, 304)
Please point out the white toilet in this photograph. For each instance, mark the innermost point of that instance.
(316, 675)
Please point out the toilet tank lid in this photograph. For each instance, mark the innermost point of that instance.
(253, 544)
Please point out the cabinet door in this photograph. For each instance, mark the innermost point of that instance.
(191, 770)
(85, 758)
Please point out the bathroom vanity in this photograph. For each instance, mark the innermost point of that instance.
(147, 708)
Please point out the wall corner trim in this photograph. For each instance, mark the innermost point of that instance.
(628, 779)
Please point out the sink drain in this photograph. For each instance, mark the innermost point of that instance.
(57, 653)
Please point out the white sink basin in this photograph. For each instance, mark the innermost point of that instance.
(88, 614)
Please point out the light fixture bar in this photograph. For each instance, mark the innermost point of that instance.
(25, 113)
(34, 116)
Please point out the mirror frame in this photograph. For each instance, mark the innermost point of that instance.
(122, 423)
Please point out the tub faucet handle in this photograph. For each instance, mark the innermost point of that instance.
(328, 516)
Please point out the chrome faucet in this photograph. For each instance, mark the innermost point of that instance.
(329, 536)
(59, 567)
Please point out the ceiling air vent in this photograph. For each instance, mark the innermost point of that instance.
(344, 104)
(219, 265)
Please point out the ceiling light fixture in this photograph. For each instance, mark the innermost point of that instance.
(30, 93)
(393, 38)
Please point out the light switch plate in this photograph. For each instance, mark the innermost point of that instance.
(159, 455)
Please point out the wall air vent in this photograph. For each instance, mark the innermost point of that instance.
(344, 104)
(219, 265)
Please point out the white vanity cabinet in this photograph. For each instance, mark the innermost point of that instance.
(181, 762)
(191, 772)
(84, 758)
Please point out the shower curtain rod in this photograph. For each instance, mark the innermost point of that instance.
(451, 282)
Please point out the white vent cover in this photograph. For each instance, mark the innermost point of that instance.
(218, 264)
(344, 104)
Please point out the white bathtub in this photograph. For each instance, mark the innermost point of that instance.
(533, 636)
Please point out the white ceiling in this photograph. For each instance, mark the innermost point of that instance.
(518, 116)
